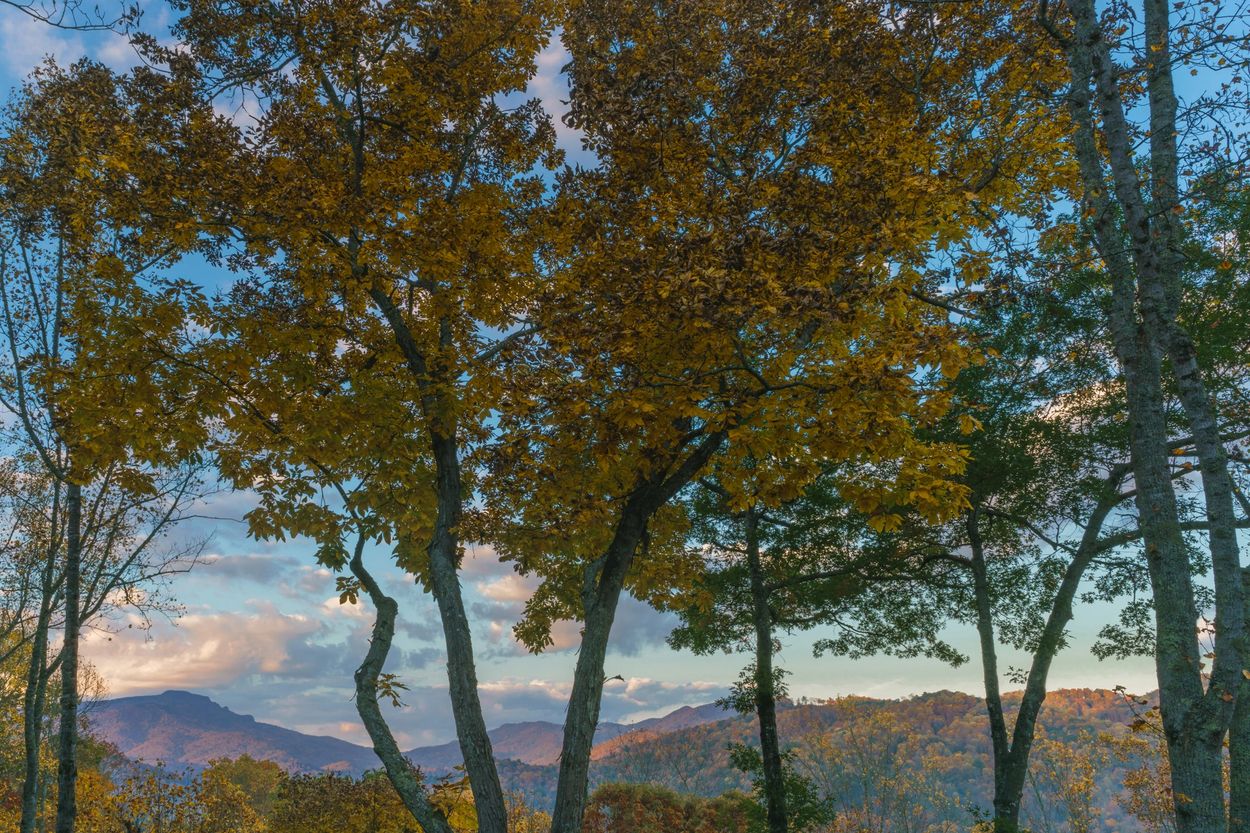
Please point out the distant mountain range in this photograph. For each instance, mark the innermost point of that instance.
(933, 748)
(182, 729)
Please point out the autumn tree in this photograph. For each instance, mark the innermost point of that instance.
(90, 216)
(618, 808)
(881, 773)
(383, 204)
(741, 278)
(329, 802)
(258, 780)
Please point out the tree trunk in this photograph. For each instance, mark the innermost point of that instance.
(398, 770)
(588, 677)
(1006, 794)
(466, 705)
(765, 694)
(1011, 753)
(1157, 260)
(1239, 748)
(67, 765)
(1161, 298)
(35, 698)
(600, 601)
(1195, 718)
(444, 554)
(32, 718)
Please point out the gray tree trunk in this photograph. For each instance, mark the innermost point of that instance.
(600, 602)
(1011, 756)
(67, 747)
(398, 770)
(444, 552)
(588, 676)
(1195, 717)
(1006, 799)
(33, 706)
(35, 696)
(1239, 745)
(765, 695)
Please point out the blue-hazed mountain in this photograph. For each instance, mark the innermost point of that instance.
(183, 729)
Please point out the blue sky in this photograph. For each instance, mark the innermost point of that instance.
(263, 633)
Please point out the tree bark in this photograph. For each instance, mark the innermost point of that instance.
(444, 554)
(1195, 718)
(1239, 749)
(588, 677)
(1006, 800)
(466, 705)
(33, 703)
(67, 765)
(765, 693)
(600, 602)
(397, 768)
(35, 696)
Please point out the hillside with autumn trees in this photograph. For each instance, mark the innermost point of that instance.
(470, 384)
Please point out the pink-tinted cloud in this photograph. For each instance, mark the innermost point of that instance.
(206, 650)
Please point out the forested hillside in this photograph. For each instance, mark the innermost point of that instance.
(904, 765)
(893, 766)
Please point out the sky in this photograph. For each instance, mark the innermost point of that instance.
(262, 632)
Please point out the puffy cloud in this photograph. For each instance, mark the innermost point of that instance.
(481, 562)
(551, 87)
(210, 650)
(638, 627)
(420, 658)
(27, 41)
(510, 588)
(635, 698)
(638, 698)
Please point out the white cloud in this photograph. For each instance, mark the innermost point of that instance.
(509, 588)
(206, 650)
(27, 42)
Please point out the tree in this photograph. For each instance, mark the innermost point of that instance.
(74, 14)
(618, 808)
(1140, 200)
(741, 278)
(384, 201)
(1068, 771)
(259, 781)
(328, 802)
(881, 772)
(752, 588)
(90, 213)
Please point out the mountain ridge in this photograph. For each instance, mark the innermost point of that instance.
(187, 729)
(937, 740)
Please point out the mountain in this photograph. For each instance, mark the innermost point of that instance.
(537, 742)
(686, 717)
(930, 752)
(185, 729)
